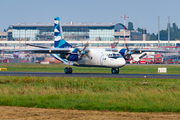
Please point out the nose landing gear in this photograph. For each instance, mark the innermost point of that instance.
(115, 70)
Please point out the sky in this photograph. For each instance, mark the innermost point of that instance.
(143, 13)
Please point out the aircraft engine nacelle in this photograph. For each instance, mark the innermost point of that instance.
(70, 57)
(126, 54)
(73, 57)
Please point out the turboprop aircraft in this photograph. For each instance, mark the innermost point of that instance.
(84, 56)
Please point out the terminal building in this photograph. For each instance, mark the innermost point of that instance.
(75, 32)
(79, 32)
(97, 34)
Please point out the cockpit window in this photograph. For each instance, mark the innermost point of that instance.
(114, 55)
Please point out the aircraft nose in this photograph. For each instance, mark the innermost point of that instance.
(121, 62)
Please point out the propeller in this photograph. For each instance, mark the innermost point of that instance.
(128, 52)
(82, 52)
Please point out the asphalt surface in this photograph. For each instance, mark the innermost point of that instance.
(55, 74)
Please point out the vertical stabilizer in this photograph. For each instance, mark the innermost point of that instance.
(59, 41)
(112, 46)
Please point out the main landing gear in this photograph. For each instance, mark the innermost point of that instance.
(115, 70)
(68, 70)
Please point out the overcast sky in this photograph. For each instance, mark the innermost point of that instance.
(143, 13)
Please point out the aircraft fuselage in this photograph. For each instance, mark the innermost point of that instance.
(101, 58)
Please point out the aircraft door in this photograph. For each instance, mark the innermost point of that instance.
(102, 58)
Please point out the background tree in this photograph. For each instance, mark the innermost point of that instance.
(163, 35)
(153, 36)
(130, 26)
(174, 33)
(139, 30)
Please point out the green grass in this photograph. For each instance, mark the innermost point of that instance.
(128, 69)
(114, 94)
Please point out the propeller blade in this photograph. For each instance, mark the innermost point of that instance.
(127, 47)
(82, 52)
(86, 45)
(88, 57)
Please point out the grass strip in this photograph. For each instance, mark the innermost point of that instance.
(113, 94)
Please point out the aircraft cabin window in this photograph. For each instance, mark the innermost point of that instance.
(110, 55)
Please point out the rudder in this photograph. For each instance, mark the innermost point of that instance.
(59, 41)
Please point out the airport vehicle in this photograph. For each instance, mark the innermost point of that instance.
(158, 61)
(150, 62)
(139, 62)
(171, 61)
(84, 56)
(4, 60)
(142, 62)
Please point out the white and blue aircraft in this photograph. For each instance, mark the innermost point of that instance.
(86, 57)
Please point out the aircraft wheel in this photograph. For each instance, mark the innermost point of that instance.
(117, 70)
(113, 71)
(66, 70)
(70, 70)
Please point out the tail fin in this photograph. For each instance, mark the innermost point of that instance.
(59, 41)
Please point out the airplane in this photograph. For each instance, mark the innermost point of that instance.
(83, 57)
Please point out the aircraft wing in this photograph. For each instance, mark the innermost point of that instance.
(47, 50)
(137, 50)
(134, 50)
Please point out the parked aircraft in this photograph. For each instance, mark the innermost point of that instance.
(84, 56)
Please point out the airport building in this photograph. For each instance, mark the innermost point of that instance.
(6, 36)
(79, 32)
(98, 35)
(75, 32)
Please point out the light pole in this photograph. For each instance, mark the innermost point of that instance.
(19, 35)
(124, 27)
(158, 31)
(168, 31)
(25, 35)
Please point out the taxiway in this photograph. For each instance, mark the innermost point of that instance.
(58, 74)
